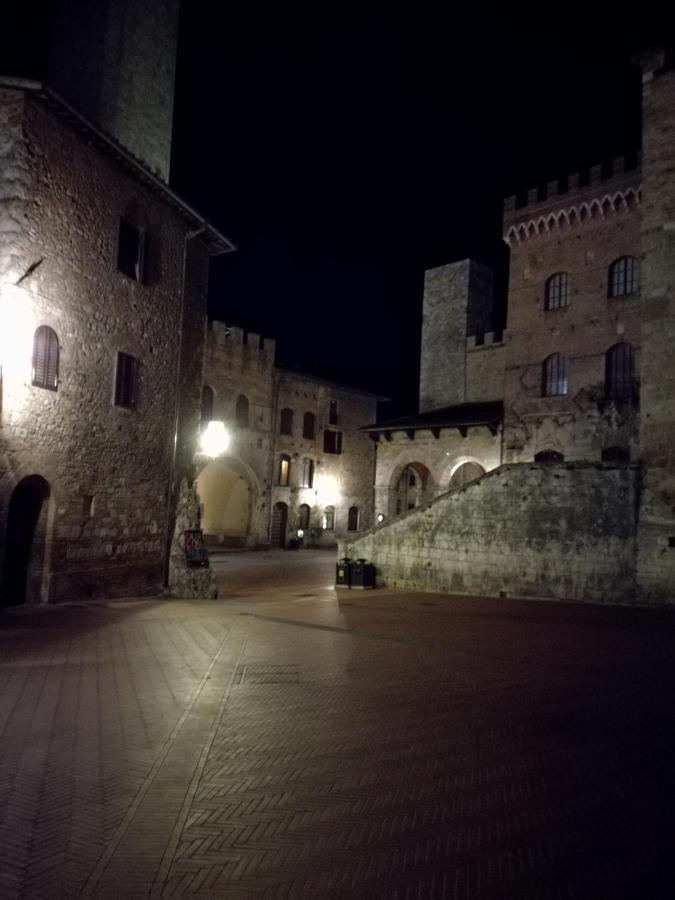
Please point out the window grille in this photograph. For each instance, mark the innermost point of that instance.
(557, 291)
(45, 358)
(619, 372)
(554, 376)
(624, 277)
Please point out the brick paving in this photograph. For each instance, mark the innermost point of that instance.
(285, 741)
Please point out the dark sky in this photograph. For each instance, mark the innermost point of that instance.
(345, 145)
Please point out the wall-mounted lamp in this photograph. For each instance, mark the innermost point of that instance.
(215, 439)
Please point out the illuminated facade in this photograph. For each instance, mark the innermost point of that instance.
(298, 468)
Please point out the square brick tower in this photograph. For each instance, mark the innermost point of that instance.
(115, 62)
(656, 533)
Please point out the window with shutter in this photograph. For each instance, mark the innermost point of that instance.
(131, 250)
(45, 358)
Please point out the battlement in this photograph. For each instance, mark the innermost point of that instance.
(599, 191)
(235, 338)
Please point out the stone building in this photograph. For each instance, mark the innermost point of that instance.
(103, 282)
(580, 375)
(298, 467)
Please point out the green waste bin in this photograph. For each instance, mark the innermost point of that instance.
(343, 573)
(363, 575)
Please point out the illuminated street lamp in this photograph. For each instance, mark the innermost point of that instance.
(215, 439)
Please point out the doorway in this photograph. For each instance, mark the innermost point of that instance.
(26, 542)
(278, 529)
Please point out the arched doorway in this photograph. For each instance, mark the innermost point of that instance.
(278, 528)
(226, 499)
(26, 542)
(464, 473)
(411, 487)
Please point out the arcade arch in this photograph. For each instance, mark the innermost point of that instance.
(228, 492)
(27, 543)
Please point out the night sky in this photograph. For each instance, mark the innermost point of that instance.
(346, 146)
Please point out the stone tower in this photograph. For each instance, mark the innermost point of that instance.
(458, 301)
(115, 62)
(656, 531)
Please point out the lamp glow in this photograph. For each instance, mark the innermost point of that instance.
(214, 440)
(17, 324)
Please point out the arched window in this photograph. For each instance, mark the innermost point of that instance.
(286, 421)
(619, 372)
(241, 411)
(465, 473)
(309, 426)
(554, 380)
(307, 473)
(549, 457)
(333, 412)
(207, 405)
(284, 470)
(353, 519)
(45, 358)
(557, 291)
(303, 517)
(624, 277)
(329, 518)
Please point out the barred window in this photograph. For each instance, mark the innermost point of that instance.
(309, 426)
(286, 421)
(45, 358)
(353, 519)
(329, 518)
(307, 474)
(624, 277)
(554, 376)
(333, 413)
(619, 372)
(241, 411)
(131, 250)
(126, 381)
(284, 470)
(557, 291)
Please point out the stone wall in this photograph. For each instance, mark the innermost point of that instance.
(563, 532)
(108, 467)
(656, 571)
(580, 230)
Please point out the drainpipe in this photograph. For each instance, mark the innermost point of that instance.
(174, 451)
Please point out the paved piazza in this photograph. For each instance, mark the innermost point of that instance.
(286, 740)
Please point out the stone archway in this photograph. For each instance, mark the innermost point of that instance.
(227, 495)
(410, 487)
(26, 543)
(465, 472)
(279, 525)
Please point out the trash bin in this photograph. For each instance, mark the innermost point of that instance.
(363, 575)
(343, 573)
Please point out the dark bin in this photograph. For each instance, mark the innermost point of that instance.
(343, 573)
(363, 575)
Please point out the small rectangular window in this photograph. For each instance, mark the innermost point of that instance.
(126, 380)
(131, 250)
(332, 441)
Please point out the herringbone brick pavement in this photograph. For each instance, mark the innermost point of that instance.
(287, 742)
